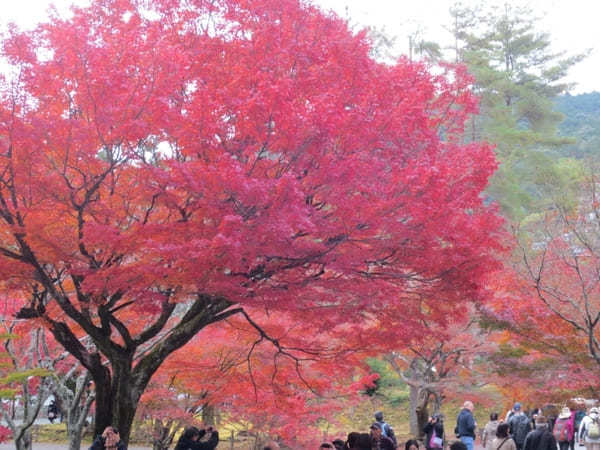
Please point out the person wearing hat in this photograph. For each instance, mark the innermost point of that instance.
(541, 438)
(378, 440)
(520, 426)
(589, 430)
(563, 429)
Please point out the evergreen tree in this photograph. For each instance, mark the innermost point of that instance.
(517, 77)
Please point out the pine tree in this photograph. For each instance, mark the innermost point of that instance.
(517, 77)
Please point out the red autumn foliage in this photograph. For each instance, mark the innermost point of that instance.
(165, 167)
(260, 389)
(547, 298)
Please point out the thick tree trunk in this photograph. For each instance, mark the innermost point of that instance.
(120, 396)
(119, 400)
(104, 407)
(414, 422)
(119, 389)
(419, 411)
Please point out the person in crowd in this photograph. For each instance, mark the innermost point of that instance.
(579, 415)
(358, 441)
(489, 432)
(541, 438)
(520, 426)
(434, 432)
(503, 441)
(109, 440)
(386, 429)
(563, 430)
(589, 430)
(465, 425)
(52, 411)
(534, 413)
(411, 444)
(510, 413)
(338, 444)
(458, 445)
(271, 445)
(378, 440)
(190, 439)
(351, 440)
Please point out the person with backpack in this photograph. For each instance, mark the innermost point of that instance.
(378, 440)
(386, 429)
(434, 433)
(589, 431)
(520, 426)
(579, 415)
(564, 428)
(541, 438)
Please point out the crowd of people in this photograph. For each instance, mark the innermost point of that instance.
(192, 438)
(517, 431)
(532, 431)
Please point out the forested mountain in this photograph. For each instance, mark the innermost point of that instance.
(582, 122)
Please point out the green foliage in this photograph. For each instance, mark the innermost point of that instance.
(517, 76)
(21, 375)
(389, 386)
(582, 122)
(510, 351)
(10, 375)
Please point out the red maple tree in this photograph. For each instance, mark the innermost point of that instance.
(165, 167)
(261, 391)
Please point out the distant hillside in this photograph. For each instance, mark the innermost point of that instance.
(582, 122)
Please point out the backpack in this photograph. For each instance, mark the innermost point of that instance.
(388, 431)
(522, 426)
(560, 430)
(593, 429)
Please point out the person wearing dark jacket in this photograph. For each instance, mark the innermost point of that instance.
(465, 425)
(434, 432)
(190, 436)
(378, 440)
(541, 438)
(520, 426)
(109, 440)
(386, 429)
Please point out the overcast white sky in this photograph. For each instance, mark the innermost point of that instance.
(573, 24)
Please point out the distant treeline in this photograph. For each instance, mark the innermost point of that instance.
(582, 122)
